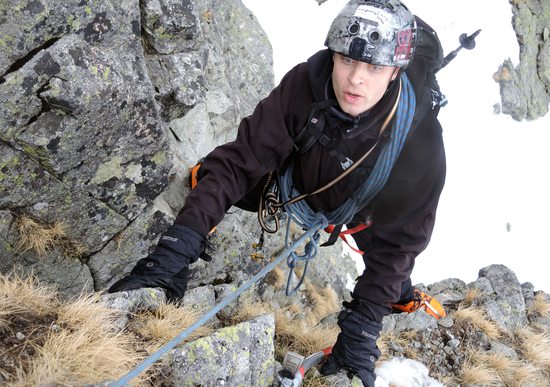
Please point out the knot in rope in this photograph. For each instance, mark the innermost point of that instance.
(311, 249)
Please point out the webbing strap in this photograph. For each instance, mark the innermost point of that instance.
(336, 232)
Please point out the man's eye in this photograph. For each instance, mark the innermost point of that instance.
(347, 60)
(377, 68)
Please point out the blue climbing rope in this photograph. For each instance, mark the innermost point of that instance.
(302, 214)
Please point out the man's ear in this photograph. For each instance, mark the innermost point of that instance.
(395, 73)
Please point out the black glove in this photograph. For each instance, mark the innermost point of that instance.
(355, 349)
(168, 266)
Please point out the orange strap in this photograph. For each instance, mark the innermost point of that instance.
(193, 175)
(194, 180)
(350, 231)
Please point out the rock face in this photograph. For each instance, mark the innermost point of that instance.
(103, 107)
(244, 354)
(444, 344)
(240, 355)
(525, 88)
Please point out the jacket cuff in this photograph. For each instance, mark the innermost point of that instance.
(183, 240)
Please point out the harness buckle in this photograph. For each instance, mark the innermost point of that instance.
(347, 163)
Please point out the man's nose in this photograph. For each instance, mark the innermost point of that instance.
(357, 75)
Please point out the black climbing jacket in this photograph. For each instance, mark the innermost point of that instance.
(402, 214)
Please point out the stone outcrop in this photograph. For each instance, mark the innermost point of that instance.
(525, 88)
(240, 355)
(103, 108)
(243, 354)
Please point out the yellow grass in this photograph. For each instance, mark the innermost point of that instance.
(166, 322)
(24, 295)
(323, 302)
(315, 380)
(472, 295)
(504, 366)
(534, 348)
(402, 338)
(540, 307)
(479, 375)
(477, 318)
(249, 310)
(277, 278)
(81, 350)
(296, 335)
(41, 238)
(528, 375)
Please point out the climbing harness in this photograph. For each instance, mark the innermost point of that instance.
(301, 213)
(350, 231)
(285, 196)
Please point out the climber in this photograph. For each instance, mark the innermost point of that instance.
(324, 115)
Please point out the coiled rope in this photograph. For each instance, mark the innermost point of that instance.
(301, 213)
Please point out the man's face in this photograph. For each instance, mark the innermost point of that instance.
(358, 85)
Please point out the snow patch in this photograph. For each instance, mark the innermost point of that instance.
(402, 372)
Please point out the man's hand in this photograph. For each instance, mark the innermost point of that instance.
(168, 266)
(355, 349)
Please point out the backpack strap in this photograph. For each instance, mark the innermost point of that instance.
(314, 130)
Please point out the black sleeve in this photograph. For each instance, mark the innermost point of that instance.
(263, 143)
(403, 216)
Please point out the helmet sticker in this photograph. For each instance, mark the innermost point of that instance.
(404, 42)
(366, 12)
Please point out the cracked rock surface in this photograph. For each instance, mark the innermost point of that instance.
(525, 88)
(103, 108)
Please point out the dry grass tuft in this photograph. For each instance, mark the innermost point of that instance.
(81, 350)
(540, 307)
(89, 312)
(315, 380)
(534, 348)
(250, 310)
(24, 295)
(293, 334)
(491, 369)
(277, 278)
(472, 295)
(402, 339)
(41, 238)
(528, 375)
(479, 374)
(477, 318)
(165, 323)
(504, 366)
(324, 302)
